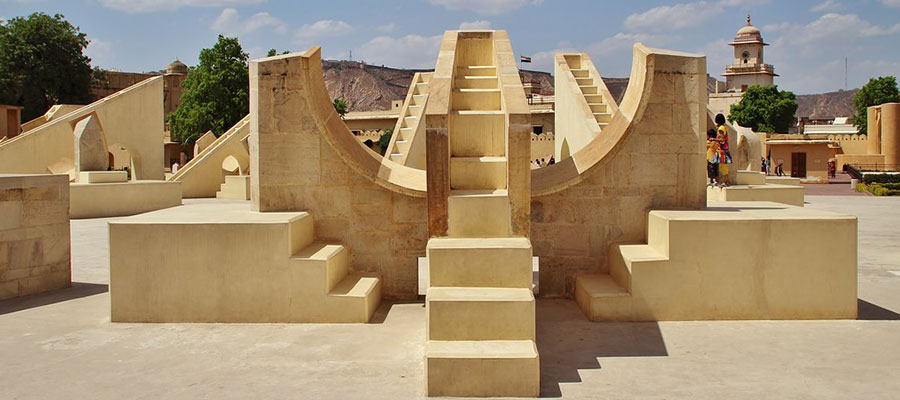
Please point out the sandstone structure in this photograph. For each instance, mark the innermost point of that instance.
(91, 152)
(34, 234)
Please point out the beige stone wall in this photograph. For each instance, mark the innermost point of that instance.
(817, 156)
(385, 231)
(132, 118)
(660, 164)
(34, 234)
(851, 144)
(582, 208)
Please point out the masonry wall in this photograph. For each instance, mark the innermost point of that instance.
(34, 234)
(659, 165)
(293, 168)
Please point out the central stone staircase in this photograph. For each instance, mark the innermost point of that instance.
(480, 307)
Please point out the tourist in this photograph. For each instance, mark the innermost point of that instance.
(779, 169)
(832, 169)
(762, 166)
(712, 158)
(370, 144)
(724, 153)
(543, 162)
(552, 160)
(175, 168)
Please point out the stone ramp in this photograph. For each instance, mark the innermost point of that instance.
(750, 260)
(407, 145)
(131, 118)
(205, 174)
(221, 262)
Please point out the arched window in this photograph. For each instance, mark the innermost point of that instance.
(745, 56)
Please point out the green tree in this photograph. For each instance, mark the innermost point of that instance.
(878, 91)
(216, 92)
(340, 106)
(273, 52)
(385, 140)
(42, 63)
(765, 109)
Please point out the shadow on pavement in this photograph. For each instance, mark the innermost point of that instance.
(568, 342)
(871, 312)
(76, 291)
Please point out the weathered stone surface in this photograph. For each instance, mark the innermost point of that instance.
(91, 153)
(34, 234)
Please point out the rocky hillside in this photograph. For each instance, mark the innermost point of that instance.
(369, 87)
(827, 105)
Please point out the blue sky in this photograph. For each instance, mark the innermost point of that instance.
(809, 39)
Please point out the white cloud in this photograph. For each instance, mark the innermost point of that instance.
(229, 22)
(827, 5)
(101, 52)
(475, 25)
(682, 15)
(833, 31)
(386, 27)
(323, 28)
(625, 42)
(891, 3)
(410, 51)
(486, 7)
(147, 6)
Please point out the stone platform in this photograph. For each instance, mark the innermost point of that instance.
(784, 194)
(750, 260)
(115, 199)
(222, 262)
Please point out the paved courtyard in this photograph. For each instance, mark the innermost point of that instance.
(62, 344)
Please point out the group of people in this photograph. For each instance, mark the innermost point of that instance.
(718, 155)
(765, 165)
(543, 162)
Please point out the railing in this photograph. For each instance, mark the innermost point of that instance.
(876, 167)
(738, 68)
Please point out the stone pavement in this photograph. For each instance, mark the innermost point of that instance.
(62, 345)
(839, 186)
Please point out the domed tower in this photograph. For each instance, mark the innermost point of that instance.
(748, 68)
(175, 75)
(177, 68)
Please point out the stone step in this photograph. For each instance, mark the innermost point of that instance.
(477, 70)
(494, 368)
(597, 107)
(602, 116)
(236, 187)
(480, 262)
(359, 295)
(602, 299)
(475, 99)
(594, 98)
(622, 259)
(580, 73)
(478, 213)
(478, 134)
(589, 89)
(478, 173)
(584, 81)
(322, 262)
(469, 313)
(477, 82)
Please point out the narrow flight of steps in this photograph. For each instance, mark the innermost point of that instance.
(587, 81)
(235, 187)
(480, 308)
(343, 296)
(407, 145)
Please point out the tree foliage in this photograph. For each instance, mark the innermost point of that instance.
(340, 106)
(216, 92)
(765, 109)
(273, 52)
(878, 91)
(42, 63)
(385, 140)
